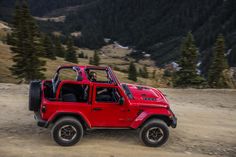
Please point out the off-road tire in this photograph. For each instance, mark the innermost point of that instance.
(152, 124)
(67, 121)
(34, 95)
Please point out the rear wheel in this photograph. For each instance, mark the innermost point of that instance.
(154, 133)
(67, 131)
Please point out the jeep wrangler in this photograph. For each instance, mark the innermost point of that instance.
(80, 98)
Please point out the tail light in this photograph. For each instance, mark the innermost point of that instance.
(43, 109)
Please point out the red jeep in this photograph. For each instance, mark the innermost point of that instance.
(95, 99)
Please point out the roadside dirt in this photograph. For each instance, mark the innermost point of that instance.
(206, 127)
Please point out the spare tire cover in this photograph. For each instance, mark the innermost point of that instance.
(34, 95)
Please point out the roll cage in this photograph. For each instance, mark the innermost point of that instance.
(82, 75)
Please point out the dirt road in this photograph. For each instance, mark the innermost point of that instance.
(206, 127)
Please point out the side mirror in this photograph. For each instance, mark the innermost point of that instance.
(121, 101)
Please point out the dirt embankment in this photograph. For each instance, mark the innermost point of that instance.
(206, 127)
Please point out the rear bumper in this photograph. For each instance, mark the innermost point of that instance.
(40, 121)
(173, 120)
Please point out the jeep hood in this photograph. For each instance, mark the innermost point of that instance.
(147, 96)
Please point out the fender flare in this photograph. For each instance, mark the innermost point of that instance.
(144, 116)
(77, 115)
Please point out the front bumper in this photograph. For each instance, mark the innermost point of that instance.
(173, 120)
(40, 121)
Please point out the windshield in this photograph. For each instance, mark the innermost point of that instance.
(127, 91)
(98, 75)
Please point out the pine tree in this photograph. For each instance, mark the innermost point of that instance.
(145, 72)
(132, 73)
(91, 60)
(232, 56)
(25, 38)
(70, 52)
(140, 72)
(154, 74)
(59, 49)
(81, 54)
(187, 76)
(219, 63)
(40, 46)
(9, 39)
(49, 50)
(96, 58)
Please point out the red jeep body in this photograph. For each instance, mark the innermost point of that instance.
(132, 106)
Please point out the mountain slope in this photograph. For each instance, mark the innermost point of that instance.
(154, 26)
(38, 7)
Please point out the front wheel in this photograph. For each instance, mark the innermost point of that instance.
(67, 131)
(154, 133)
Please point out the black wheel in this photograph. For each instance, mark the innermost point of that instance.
(34, 95)
(67, 131)
(154, 133)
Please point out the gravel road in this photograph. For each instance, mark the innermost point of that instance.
(206, 127)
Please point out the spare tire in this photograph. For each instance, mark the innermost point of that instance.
(34, 95)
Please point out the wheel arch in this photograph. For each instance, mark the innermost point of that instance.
(165, 118)
(85, 123)
(143, 119)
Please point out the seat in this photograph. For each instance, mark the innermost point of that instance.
(70, 97)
